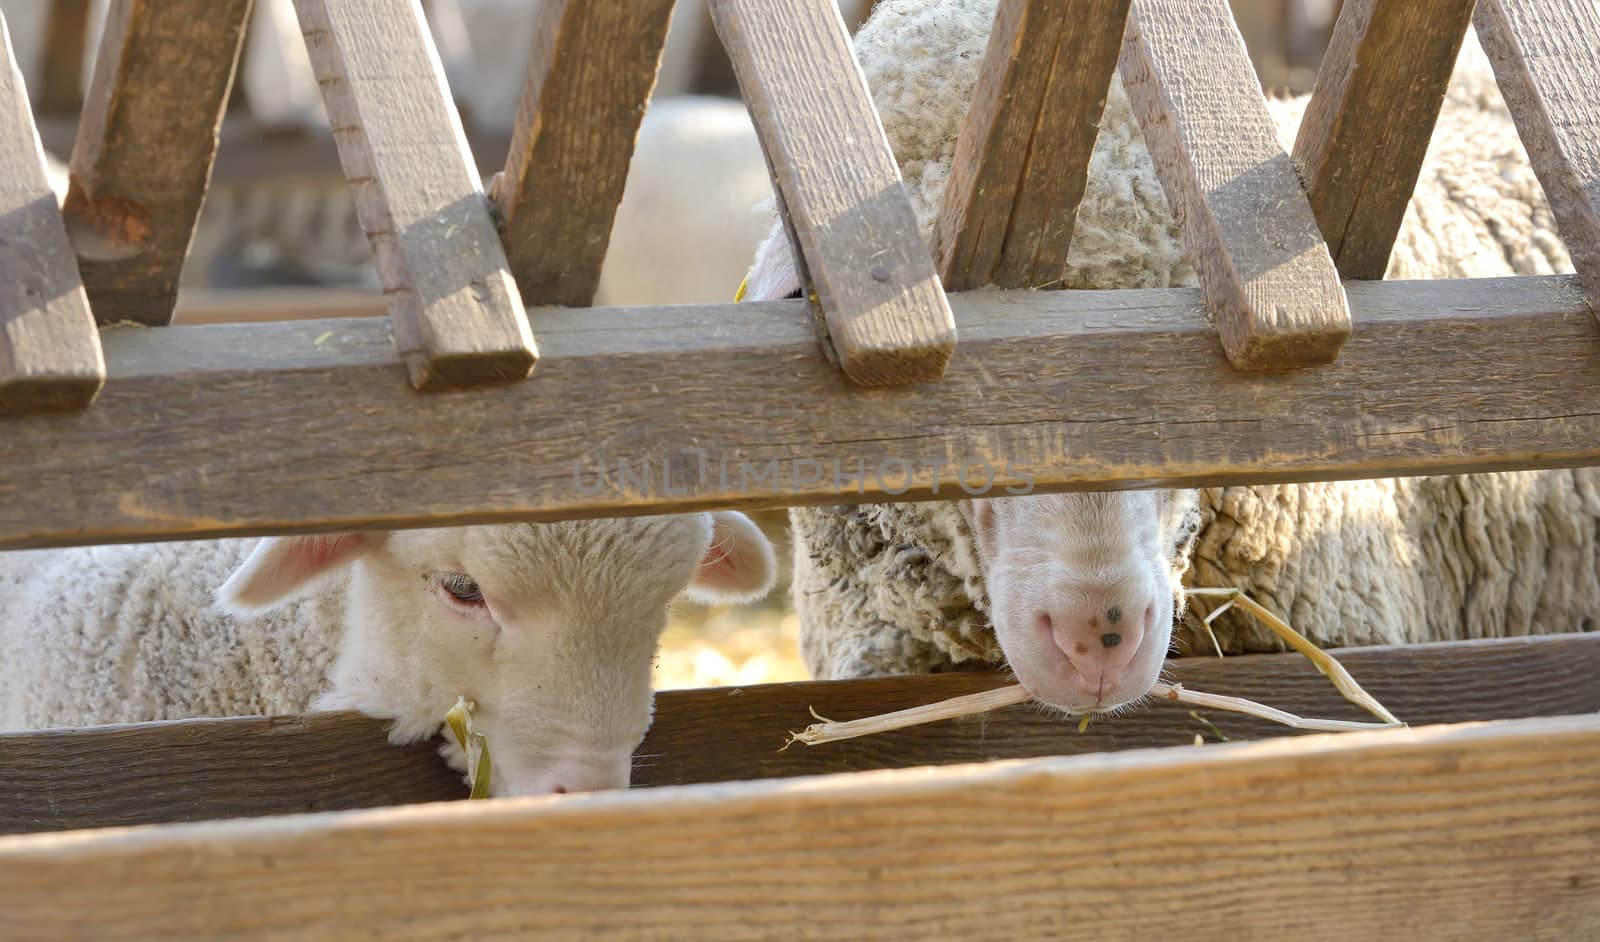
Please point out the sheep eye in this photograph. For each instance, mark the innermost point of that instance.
(462, 588)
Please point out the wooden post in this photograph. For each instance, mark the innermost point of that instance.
(1022, 162)
(145, 145)
(49, 350)
(458, 318)
(65, 46)
(844, 202)
(1546, 56)
(594, 64)
(1370, 118)
(1268, 278)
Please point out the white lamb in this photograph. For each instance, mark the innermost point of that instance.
(1077, 592)
(551, 628)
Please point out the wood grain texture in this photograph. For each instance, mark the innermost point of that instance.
(1436, 833)
(1367, 126)
(692, 407)
(49, 351)
(66, 41)
(840, 190)
(142, 158)
(593, 67)
(252, 766)
(458, 318)
(1546, 57)
(1270, 284)
(1022, 161)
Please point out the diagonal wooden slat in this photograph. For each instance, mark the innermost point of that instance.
(145, 144)
(844, 202)
(593, 67)
(1546, 57)
(1370, 118)
(1268, 278)
(458, 318)
(1022, 162)
(49, 350)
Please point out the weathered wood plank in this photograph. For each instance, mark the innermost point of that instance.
(1369, 121)
(1022, 162)
(1269, 282)
(240, 767)
(1546, 57)
(49, 351)
(66, 42)
(231, 429)
(843, 200)
(458, 318)
(1414, 833)
(593, 67)
(145, 143)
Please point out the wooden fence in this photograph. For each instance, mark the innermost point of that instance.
(1313, 370)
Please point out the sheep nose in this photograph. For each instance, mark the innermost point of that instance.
(1099, 640)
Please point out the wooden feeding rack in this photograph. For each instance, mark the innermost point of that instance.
(1313, 370)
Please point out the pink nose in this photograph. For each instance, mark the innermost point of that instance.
(1099, 641)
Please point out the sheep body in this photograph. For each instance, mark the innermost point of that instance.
(144, 614)
(896, 588)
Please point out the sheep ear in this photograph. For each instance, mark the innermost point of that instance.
(979, 515)
(739, 564)
(774, 274)
(283, 568)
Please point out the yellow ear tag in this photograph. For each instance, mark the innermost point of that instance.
(743, 285)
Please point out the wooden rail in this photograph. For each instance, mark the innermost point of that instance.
(458, 318)
(1022, 161)
(1269, 281)
(845, 205)
(146, 140)
(593, 67)
(1546, 57)
(231, 429)
(1440, 832)
(49, 352)
(249, 766)
(1367, 126)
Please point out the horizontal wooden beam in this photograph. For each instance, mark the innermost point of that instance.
(1442, 832)
(200, 769)
(233, 433)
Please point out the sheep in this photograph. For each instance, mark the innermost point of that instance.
(1035, 581)
(551, 628)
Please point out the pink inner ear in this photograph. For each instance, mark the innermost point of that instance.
(718, 565)
(309, 556)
